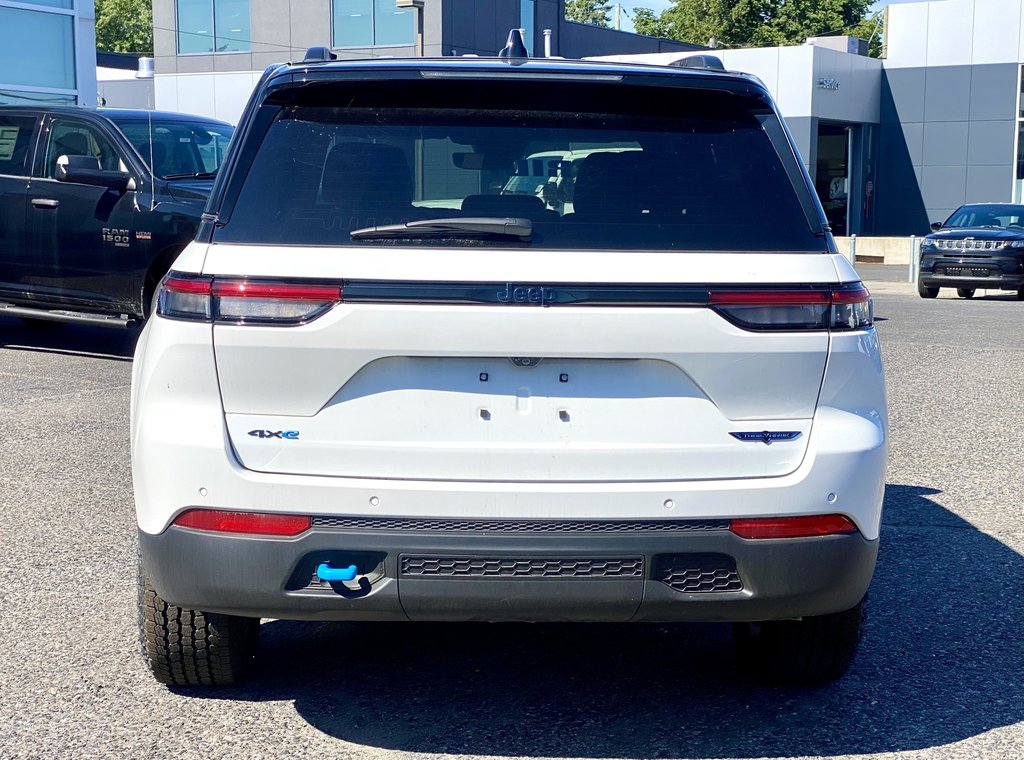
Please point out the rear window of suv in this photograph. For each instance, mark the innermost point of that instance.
(627, 168)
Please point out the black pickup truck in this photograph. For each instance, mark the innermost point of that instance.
(95, 205)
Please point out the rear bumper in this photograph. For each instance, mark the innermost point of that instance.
(705, 574)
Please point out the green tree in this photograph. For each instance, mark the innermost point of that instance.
(646, 21)
(739, 23)
(124, 26)
(593, 12)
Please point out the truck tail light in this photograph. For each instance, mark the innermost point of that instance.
(847, 307)
(243, 301)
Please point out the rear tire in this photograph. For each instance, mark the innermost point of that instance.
(191, 648)
(926, 292)
(807, 652)
(1020, 294)
(965, 292)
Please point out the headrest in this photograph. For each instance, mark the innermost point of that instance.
(610, 183)
(73, 144)
(364, 175)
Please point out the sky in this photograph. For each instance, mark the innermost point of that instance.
(659, 5)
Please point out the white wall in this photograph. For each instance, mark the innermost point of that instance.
(955, 33)
(791, 74)
(220, 95)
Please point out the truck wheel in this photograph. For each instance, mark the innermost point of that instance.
(965, 292)
(804, 652)
(926, 292)
(192, 648)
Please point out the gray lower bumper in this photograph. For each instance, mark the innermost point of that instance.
(1004, 282)
(610, 576)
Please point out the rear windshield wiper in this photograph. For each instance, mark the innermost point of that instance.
(192, 175)
(454, 227)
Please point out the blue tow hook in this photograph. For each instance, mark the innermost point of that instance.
(327, 573)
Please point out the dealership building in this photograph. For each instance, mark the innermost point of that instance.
(891, 144)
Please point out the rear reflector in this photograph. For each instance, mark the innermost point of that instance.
(257, 523)
(792, 527)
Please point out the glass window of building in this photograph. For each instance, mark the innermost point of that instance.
(370, 23)
(20, 98)
(37, 49)
(213, 26)
(527, 22)
(63, 4)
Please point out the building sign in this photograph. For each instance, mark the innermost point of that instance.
(827, 83)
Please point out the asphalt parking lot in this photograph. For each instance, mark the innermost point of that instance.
(940, 673)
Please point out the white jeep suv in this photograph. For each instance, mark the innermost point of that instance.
(377, 388)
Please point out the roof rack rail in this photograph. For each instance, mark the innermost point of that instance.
(318, 54)
(700, 61)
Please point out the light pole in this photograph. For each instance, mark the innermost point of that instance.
(417, 6)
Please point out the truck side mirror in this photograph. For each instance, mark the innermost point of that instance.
(936, 226)
(85, 170)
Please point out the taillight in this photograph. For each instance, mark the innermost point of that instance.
(847, 307)
(272, 302)
(256, 523)
(185, 297)
(243, 301)
(852, 309)
(792, 527)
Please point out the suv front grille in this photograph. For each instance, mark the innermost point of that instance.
(513, 567)
(969, 245)
(698, 573)
(458, 525)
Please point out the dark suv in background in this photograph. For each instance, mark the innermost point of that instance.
(980, 246)
(95, 204)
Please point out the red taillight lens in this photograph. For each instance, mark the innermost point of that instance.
(244, 301)
(792, 527)
(258, 523)
(844, 308)
(185, 297)
(769, 297)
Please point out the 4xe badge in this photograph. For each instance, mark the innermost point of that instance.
(291, 435)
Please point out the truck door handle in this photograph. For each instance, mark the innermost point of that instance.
(45, 202)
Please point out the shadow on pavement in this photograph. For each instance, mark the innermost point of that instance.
(114, 343)
(942, 661)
